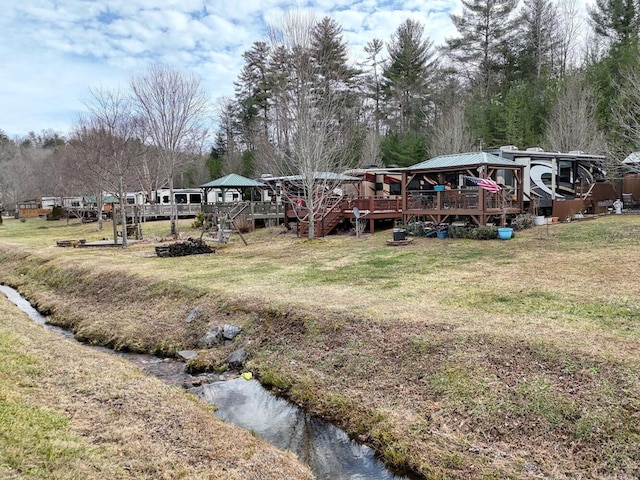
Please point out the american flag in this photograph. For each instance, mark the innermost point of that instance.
(485, 183)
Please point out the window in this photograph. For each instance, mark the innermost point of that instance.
(181, 198)
(195, 198)
(564, 171)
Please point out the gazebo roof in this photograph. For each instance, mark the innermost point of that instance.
(460, 160)
(233, 180)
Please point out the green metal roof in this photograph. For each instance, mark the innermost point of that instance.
(233, 180)
(462, 160)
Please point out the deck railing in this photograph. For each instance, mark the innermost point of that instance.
(376, 204)
(158, 210)
(460, 199)
(256, 208)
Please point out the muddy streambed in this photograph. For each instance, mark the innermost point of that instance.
(327, 450)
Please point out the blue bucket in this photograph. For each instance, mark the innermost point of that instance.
(505, 233)
(442, 234)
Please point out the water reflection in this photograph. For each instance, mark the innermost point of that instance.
(17, 299)
(328, 451)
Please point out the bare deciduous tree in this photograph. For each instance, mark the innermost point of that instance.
(13, 175)
(451, 133)
(174, 109)
(572, 124)
(627, 112)
(25, 172)
(106, 146)
(148, 172)
(568, 32)
(371, 153)
(626, 115)
(314, 152)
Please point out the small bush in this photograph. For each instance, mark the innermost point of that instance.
(475, 233)
(459, 232)
(243, 225)
(201, 221)
(414, 228)
(486, 233)
(520, 222)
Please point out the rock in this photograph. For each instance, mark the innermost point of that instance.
(229, 332)
(187, 354)
(212, 337)
(219, 336)
(192, 315)
(236, 359)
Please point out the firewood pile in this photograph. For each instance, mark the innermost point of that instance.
(190, 246)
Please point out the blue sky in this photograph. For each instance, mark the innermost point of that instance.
(53, 51)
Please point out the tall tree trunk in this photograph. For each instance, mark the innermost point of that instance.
(173, 214)
(123, 214)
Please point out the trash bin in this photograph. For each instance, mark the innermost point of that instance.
(399, 234)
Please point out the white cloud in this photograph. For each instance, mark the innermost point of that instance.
(52, 52)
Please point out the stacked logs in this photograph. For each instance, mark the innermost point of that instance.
(180, 249)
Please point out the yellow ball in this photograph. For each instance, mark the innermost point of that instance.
(247, 375)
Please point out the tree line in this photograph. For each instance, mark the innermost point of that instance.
(536, 73)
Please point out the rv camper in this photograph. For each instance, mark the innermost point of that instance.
(562, 183)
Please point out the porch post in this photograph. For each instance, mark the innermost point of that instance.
(403, 194)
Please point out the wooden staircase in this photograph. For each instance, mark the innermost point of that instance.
(328, 221)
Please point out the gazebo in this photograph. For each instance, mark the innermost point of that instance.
(233, 181)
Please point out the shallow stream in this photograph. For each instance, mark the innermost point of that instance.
(327, 450)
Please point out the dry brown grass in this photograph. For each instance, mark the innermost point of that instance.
(459, 359)
(123, 423)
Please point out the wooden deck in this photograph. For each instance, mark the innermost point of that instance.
(253, 210)
(478, 205)
(370, 209)
(428, 205)
(438, 207)
(158, 211)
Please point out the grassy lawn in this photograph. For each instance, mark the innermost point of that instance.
(455, 358)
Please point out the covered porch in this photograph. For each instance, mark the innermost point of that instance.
(476, 187)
